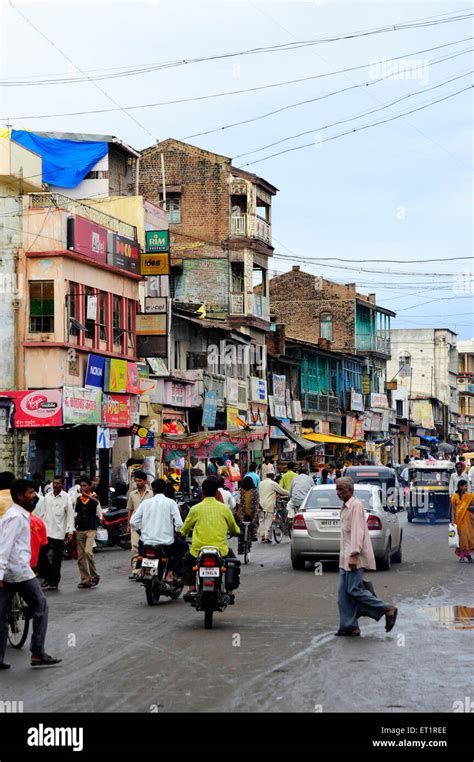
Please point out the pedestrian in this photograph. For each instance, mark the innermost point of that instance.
(456, 478)
(142, 492)
(462, 515)
(88, 515)
(356, 555)
(212, 468)
(300, 486)
(470, 477)
(288, 476)
(6, 479)
(39, 542)
(248, 507)
(227, 496)
(74, 491)
(267, 467)
(57, 512)
(325, 478)
(267, 493)
(252, 472)
(16, 574)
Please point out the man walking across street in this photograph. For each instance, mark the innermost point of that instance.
(16, 574)
(57, 512)
(268, 492)
(142, 492)
(88, 514)
(356, 555)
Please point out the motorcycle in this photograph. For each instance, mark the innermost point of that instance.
(216, 577)
(186, 501)
(114, 528)
(152, 569)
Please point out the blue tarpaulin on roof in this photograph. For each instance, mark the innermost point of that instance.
(65, 162)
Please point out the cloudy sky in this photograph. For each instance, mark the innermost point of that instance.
(348, 207)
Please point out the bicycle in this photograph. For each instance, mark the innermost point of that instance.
(281, 522)
(18, 621)
(245, 540)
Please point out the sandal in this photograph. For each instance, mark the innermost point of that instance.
(354, 632)
(85, 584)
(390, 620)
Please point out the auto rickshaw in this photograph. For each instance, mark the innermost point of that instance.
(429, 490)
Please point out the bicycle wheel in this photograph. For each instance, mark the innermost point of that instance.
(18, 622)
(277, 532)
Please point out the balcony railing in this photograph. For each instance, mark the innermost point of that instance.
(261, 306)
(319, 403)
(369, 343)
(237, 304)
(238, 225)
(263, 230)
(58, 201)
(250, 226)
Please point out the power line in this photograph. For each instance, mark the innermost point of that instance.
(305, 102)
(90, 79)
(238, 92)
(358, 129)
(282, 47)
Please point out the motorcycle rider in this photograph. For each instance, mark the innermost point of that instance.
(158, 519)
(300, 486)
(210, 521)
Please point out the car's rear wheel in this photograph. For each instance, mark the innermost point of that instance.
(298, 563)
(397, 557)
(385, 563)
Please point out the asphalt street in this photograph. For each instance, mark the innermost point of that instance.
(273, 651)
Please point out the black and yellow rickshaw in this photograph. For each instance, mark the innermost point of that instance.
(429, 490)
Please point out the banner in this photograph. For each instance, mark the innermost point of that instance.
(35, 409)
(116, 411)
(133, 378)
(95, 371)
(82, 405)
(379, 401)
(357, 402)
(258, 389)
(354, 428)
(422, 414)
(125, 254)
(209, 410)
(372, 421)
(90, 240)
(232, 391)
(115, 375)
(279, 389)
(232, 414)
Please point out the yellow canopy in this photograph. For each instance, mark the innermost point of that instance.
(332, 439)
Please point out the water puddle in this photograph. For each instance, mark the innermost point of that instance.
(453, 617)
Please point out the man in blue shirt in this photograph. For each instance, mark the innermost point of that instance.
(252, 472)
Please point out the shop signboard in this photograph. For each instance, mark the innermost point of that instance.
(357, 402)
(279, 389)
(133, 378)
(116, 410)
(379, 401)
(156, 304)
(151, 324)
(115, 375)
(124, 254)
(296, 412)
(365, 384)
(276, 433)
(154, 264)
(372, 421)
(210, 410)
(90, 240)
(157, 240)
(152, 346)
(280, 411)
(258, 389)
(354, 428)
(232, 391)
(82, 406)
(95, 372)
(38, 408)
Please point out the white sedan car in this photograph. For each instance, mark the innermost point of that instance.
(316, 528)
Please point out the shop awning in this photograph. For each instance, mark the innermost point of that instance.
(289, 434)
(333, 439)
(240, 437)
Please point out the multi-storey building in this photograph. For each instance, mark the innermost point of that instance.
(466, 389)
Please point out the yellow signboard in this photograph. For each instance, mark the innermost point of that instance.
(154, 264)
(232, 415)
(365, 384)
(151, 324)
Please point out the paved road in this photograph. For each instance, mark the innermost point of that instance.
(273, 651)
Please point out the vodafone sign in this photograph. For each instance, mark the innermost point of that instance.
(42, 407)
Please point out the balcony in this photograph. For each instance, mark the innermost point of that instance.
(237, 304)
(261, 306)
(250, 226)
(319, 403)
(20, 169)
(465, 383)
(368, 342)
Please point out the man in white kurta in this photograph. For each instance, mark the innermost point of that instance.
(356, 555)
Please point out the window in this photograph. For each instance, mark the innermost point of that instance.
(173, 207)
(42, 306)
(177, 355)
(130, 316)
(73, 308)
(399, 404)
(117, 303)
(102, 316)
(404, 361)
(325, 326)
(91, 319)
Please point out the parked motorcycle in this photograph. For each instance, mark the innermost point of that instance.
(152, 570)
(216, 577)
(114, 528)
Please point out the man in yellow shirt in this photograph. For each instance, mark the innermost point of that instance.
(6, 479)
(288, 477)
(210, 521)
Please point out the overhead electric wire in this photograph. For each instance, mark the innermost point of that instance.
(363, 127)
(91, 80)
(323, 96)
(239, 92)
(282, 47)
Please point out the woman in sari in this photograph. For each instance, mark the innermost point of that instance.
(249, 504)
(463, 516)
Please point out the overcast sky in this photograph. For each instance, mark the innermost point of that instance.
(396, 191)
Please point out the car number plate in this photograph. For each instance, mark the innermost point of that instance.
(209, 572)
(150, 563)
(330, 522)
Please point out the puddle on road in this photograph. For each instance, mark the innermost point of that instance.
(454, 617)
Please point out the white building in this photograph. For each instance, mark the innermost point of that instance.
(430, 359)
(466, 388)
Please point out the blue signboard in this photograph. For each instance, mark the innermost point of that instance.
(209, 410)
(95, 372)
